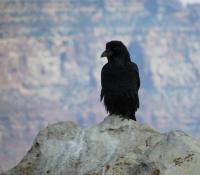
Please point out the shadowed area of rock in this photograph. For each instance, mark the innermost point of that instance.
(111, 147)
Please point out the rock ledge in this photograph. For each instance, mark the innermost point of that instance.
(113, 147)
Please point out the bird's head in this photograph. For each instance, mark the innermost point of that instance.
(116, 50)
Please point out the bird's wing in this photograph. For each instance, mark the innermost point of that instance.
(135, 67)
(120, 80)
(128, 79)
(136, 82)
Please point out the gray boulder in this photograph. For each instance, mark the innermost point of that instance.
(113, 147)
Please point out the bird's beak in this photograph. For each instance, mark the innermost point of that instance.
(106, 53)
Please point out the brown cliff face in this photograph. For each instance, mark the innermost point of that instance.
(50, 65)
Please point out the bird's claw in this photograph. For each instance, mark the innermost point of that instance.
(123, 117)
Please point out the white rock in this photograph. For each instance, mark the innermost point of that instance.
(113, 147)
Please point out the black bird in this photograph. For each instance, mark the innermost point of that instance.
(120, 81)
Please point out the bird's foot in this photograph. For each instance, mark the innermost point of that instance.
(124, 117)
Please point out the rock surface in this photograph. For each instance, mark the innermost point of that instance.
(111, 147)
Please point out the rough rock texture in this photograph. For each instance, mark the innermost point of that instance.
(113, 147)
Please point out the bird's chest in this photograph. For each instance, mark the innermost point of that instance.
(118, 76)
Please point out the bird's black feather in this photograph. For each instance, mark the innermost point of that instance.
(120, 82)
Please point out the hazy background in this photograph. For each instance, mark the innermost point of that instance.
(50, 64)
